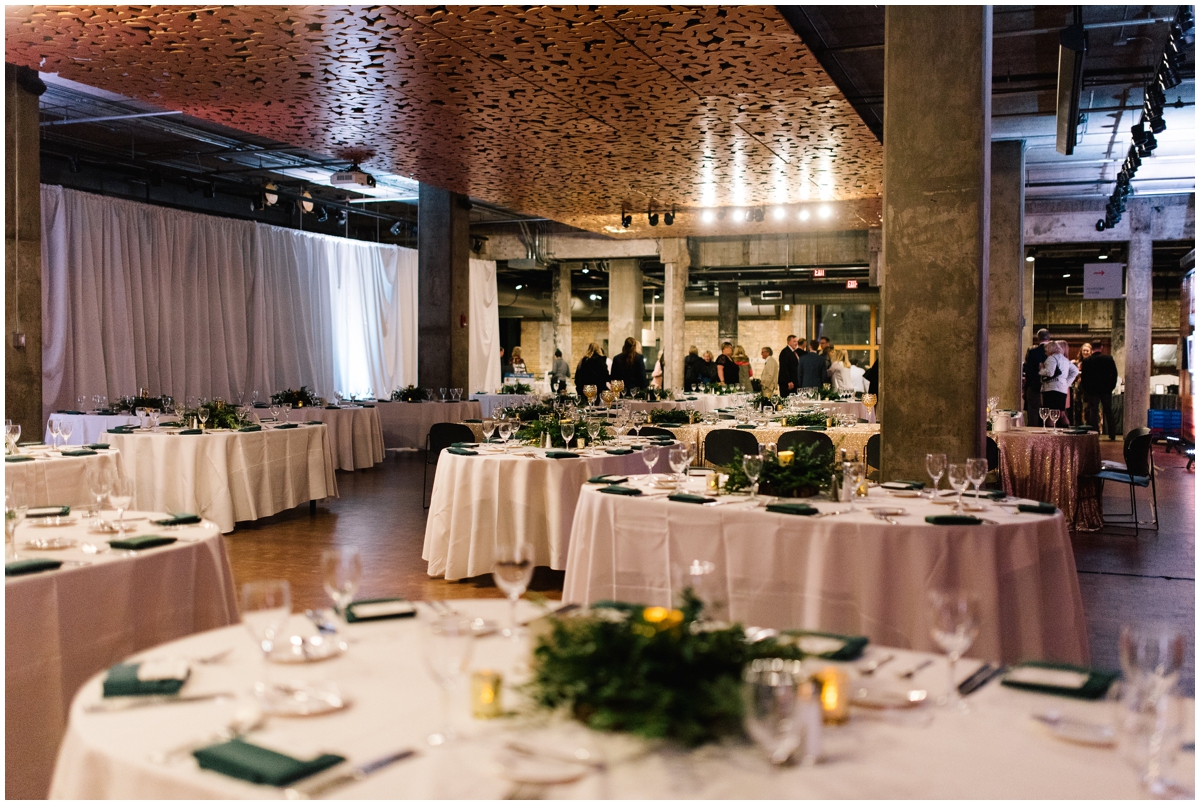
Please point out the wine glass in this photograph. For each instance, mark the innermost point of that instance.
(266, 607)
(442, 394)
(639, 419)
(593, 429)
(752, 465)
(202, 415)
(678, 459)
(566, 428)
(1044, 413)
(650, 458)
(956, 474)
(780, 706)
(1054, 414)
(120, 495)
(935, 465)
(954, 625)
(455, 395)
(504, 428)
(1151, 657)
(14, 512)
(12, 432)
(869, 401)
(287, 412)
(512, 572)
(96, 402)
(488, 427)
(254, 397)
(589, 392)
(55, 428)
(66, 428)
(977, 470)
(275, 411)
(341, 570)
(154, 414)
(99, 484)
(448, 644)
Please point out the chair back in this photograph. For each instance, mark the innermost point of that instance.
(720, 444)
(818, 440)
(1137, 452)
(993, 454)
(873, 452)
(650, 430)
(444, 434)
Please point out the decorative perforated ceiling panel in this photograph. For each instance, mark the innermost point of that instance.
(568, 113)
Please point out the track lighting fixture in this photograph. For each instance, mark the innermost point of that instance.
(626, 220)
(395, 230)
(652, 217)
(669, 217)
(270, 197)
(342, 217)
(322, 215)
(759, 214)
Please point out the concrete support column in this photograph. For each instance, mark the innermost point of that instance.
(1006, 270)
(443, 288)
(937, 154)
(727, 313)
(560, 300)
(676, 260)
(625, 305)
(874, 252)
(23, 261)
(1138, 299)
(1027, 310)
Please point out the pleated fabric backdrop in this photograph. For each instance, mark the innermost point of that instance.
(186, 304)
(484, 355)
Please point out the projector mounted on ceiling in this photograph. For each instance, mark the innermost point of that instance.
(355, 177)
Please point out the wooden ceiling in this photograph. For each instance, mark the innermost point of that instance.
(569, 113)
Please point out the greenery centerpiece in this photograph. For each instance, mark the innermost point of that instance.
(220, 415)
(532, 432)
(131, 404)
(806, 419)
(650, 671)
(299, 398)
(722, 388)
(515, 388)
(807, 473)
(762, 399)
(408, 394)
(828, 392)
(530, 411)
(660, 416)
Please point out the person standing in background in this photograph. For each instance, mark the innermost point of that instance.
(770, 373)
(1031, 369)
(727, 370)
(561, 371)
(825, 350)
(871, 376)
(811, 368)
(592, 369)
(505, 367)
(710, 368)
(1064, 349)
(518, 363)
(789, 359)
(1057, 374)
(656, 377)
(694, 369)
(1076, 402)
(1098, 378)
(743, 364)
(629, 366)
(839, 370)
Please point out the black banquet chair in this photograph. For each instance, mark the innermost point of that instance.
(1138, 470)
(441, 436)
(805, 438)
(719, 445)
(650, 430)
(873, 448)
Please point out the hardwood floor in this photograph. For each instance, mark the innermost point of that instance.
(1122, 577)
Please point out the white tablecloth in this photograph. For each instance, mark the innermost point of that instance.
(850, 574)
(481, 501)
(55, 480)
(488, 403)
(407, 424)
(63, 626)
(229, 476)
(87, 428)
(995, 752)
(355, 434)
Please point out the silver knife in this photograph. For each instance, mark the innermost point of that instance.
(120, 703)
(345, 778)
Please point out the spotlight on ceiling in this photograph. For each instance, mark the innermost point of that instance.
(652, 217)
(740, 215)
(708, 216)
(669, 217)
(270, 197)
(1065, 276)
(759, 214)
(1029, 258)
(305, 201)
(342, 217)
(825, 211)
(395, 229)
(626, 220)
(780, 212)
(322, 215)
(804, 215)
(519, 287)
(586, 269)
(1103, 257)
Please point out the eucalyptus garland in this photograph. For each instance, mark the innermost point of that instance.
(530, 411)
(299, 398)
(660, 416)
(131, 404)
(807, 474)
(409, 394)
(220, 415)
(806, 419)
(532, 432)
(762, 399)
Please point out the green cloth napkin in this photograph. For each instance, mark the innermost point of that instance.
(22, 566)
(97, 446)
(952, 519)
(250, 429)
(851, 649)
(616, 489)
(288, 426)
(681, 497)
(1077, 431)
(618, 451)
(909, 484)
(458, 451)
(353, 617)
(247, 761)
(608, 479)
(1096, 686)
(474, 421)
(188, 432)
(804, 509)
(561, 454)
(141, 543)
(814, 427)
(74, 413)
(261, 405)
(331, 408)
(122, 680)
(18, 458)
(49, 511)
(83, 451)
(183, 518)
(465, 445)
(745, 427)
(1037, 508)
(314, 422)
(122, 429)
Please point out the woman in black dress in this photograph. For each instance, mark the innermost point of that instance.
(592, 369)
(630, 366)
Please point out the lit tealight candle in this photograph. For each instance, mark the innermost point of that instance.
(835, 686)
(485, 694)
(785, 457)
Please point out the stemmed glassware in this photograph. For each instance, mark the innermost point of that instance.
(512, 572)
(590, 392)
(752, 465)
(1044, 413)
(679, 458)
(442, 394)
(341, 570)
(202, 415)
(953, 626)
(99, 484)
(977, 470)
(504, 428)
(1054, 414)
(266, 606)
(120, 495)
(287, 412)
(566, 427)
(639, 419)
(66, 428)
(14, 513)
(649, 458)
(12, 433)
(455, 395)
(55, 428)
(448, 644)
(852, 475)
(935, 465)
(593, 429)
(488, 427)
(957, 476)
(776, 695)
(275, 411)
(869, 401)
(1151, 657)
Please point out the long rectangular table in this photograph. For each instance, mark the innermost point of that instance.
(53, 479)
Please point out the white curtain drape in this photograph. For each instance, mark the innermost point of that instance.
(484, 325)
(194, 305)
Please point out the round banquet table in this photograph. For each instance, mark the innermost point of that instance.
(53, 479)
(406, 425)
(492, 499)
(88, 428)
(1056, 468)
(850, 574)
(997, 752)
(355, 434)
(488, 403)
(853, 439)
(62, 626)
(228, 476)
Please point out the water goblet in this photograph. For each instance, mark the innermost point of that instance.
(66, 428)
(254, 397)
(589, 392)
(935, 465)
(202, 415)
(593, 430)
(488, 427)
(1044, 413)
(977, 470)
(120, 496)
(14, 512)
(752, 466)
(96, 402)
(275, 410)
(566, 429)
(442, 394)
(99, 483)
(1054, 414)
(504, 428)
(650, 458)
(55, 428)
(266, 607)
(639, 419)
(954, 624)
(81, 403)
(678, 459)
(512, 572)
(448, 644)
(780, 708)
(455, 395)
(154, 414)
(341, 570)
(1147, 721)
(956, 474)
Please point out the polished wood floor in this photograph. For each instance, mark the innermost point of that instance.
(1122, 577)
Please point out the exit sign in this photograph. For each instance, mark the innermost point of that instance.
(818, 272)
(851, 283)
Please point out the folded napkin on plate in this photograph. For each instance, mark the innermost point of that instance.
(18, 458)
(1059, 679)
(745, 427)
(1037, 508)
(616, 489)
(286, 426)
(374, 609)
(183, 518)
(474, 421)
(561, 454)
(124, 429)
(162, 678)
(367, 405)
(250, 429)
(188, 432)
(987, 494)
(458, 451)
(952, 519)
(681, 497)
(902, 485)
(637, 447)
(256, 764)
(22, 566)
(314, 422)
(49, 511)
(97, 446)
(465, 445)
(141, 543)
(73, 413)
(83, 451)
(261, 405)
(828, 645)
(792, 508)
(618, 451)
(608, 479)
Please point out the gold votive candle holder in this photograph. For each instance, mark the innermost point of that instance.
(785, 457)
(835, 692)
(485, 694)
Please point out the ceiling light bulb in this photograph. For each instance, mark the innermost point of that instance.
(825, 211)
(585, 271)
(787, 308)
(803, 215)
(519, 287)
(708, 217)
(1104, 257)
(1066, 275)
(780, 212)
(1029, 259)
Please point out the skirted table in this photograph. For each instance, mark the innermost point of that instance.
(406, 425)
(488, 403)
(88, 428)
(355, 433)
(493, 499)
(52, 479)
(228, 476)
(62, 626)
(853, 440)
(1056, 468)
(849, 574)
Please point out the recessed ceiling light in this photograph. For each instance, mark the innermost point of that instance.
(780, 212)
(1066, 275)
(708, 217)
(1029, 259)
(585, 271)
(519, 287)
(825, 211)
(1104, 257)
(803, 215)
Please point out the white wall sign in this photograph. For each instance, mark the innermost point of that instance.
(1103, 280)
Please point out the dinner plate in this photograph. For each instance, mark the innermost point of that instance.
(50, 543)
(879, 698)
(299, 699)
(52, 522)
(904, 493)
(945, 501)
(1077, 732)
(973, 507)
(518, 767)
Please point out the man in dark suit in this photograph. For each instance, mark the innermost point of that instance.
(1097, 379)
(811, 368)
(788, 361)
(1034, 359)
(871, 376)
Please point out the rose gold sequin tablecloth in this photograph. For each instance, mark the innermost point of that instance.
(1056, 468)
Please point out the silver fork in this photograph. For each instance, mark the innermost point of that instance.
(871, 667)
